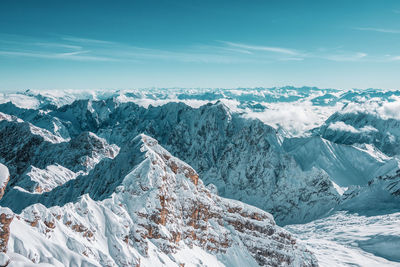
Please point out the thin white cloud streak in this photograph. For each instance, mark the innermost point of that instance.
(86, 40)
(76, 48)
(71, 56)
(346, 57)
(84, 49)
(190, 56)
(262, 48)
(243, 51)
(58, 45)
(377, 30)
(286, 54)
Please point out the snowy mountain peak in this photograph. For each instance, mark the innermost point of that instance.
(96, 183)
(159, 214)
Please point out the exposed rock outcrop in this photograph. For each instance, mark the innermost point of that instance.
(6, 215)
(160, 208)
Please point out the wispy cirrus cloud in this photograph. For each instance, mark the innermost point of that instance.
(371, 29)
(224, 52)
(345, 56)
(78, 55)
(86, 40)
(57, 45)
(85, 49)
(272, 49)
(287, 54)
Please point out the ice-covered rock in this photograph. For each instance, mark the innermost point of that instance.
(242, 157)
(112, 206)
(380, 195)
(158, 213)
(346, 165)
(32, 155)
(363, 127)
(6, 217)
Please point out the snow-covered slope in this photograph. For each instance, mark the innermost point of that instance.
(348, 239)
(158, 214)
(375, 124)
(295, 110)
(33, 154)
(298, 153)
(381, 195)
(242, 157)
(346, 165)
(364, 230)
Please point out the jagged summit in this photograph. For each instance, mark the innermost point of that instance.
(346, 165)
(244, 158)
(360, 127)
(40, 161)
(102, 160)
(160, 213)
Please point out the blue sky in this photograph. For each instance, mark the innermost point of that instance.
(130, 44)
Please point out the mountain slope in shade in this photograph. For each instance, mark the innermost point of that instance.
(245, 159)
(39, 160)
(160, 214)
(92, 190)
(346, 165)
(381, 195)
(242, 157)
(363, 127)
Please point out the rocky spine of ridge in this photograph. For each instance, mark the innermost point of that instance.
(346, 165)
(382, 191)
(39, 161)
(160, 208)
(362, 127)
(243, 158)
(6, 217)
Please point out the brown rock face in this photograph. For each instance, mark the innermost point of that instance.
(162, 207)
(194, 216)
(5, 221)
(3, 189)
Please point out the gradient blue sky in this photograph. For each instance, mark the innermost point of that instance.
(131, 44)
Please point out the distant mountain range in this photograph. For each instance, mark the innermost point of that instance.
(98, 178)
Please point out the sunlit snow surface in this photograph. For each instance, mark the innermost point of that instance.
(351, 135)
(350, 239)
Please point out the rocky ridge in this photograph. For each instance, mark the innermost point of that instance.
(160, 212)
